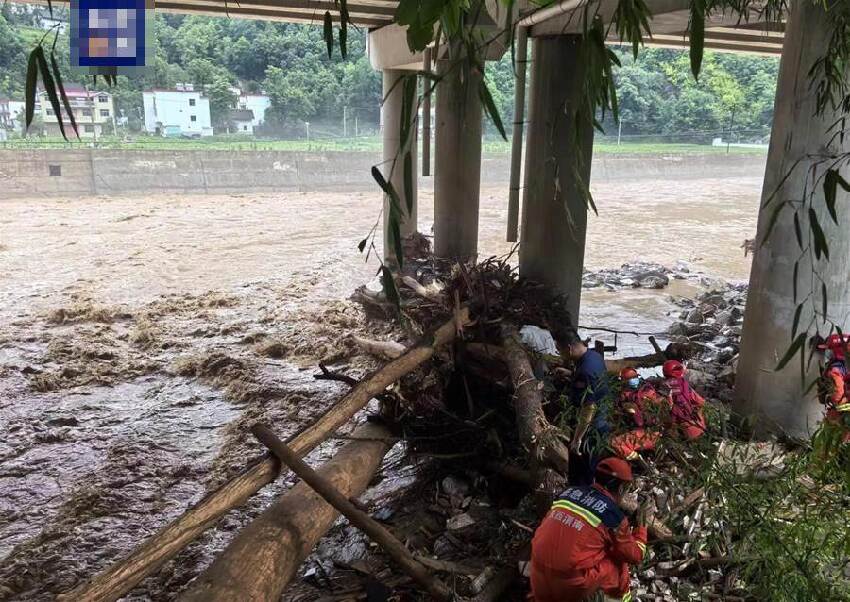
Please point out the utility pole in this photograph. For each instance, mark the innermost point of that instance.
(619, 132)
(731, 123)
(356, 132)
(345, 121)
(91, 118)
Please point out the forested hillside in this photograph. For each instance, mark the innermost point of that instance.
(658, 96)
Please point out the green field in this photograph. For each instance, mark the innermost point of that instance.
(370, 143)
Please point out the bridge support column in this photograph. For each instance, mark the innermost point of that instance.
(394, 150)
(457, 160)
(778, 399)
(554, 215)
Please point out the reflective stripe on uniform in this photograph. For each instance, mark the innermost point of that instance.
(584, 513)
(633, 456)
(642, 547)
(844, 407)
(627, 597)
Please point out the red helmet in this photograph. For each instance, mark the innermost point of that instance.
(673, 369)
(615, 467)
(628, 372)
(838, 344)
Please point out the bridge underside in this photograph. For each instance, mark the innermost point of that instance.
(725, 33)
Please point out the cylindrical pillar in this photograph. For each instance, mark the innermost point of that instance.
(427, 84)
(557, 167)
(457, 158)
(394, 152)
(778, 398)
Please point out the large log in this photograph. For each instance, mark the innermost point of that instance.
(535, 433)
(168, 541)
(263, 558)
(373, 529)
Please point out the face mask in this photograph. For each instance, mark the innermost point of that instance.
(634, 382)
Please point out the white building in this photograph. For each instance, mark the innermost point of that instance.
(93, 112)
(177, 113)
(257, 104)
(242, 121)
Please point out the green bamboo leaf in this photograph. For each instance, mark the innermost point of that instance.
(798, 230)
(796, 323)
(390, 290)
(792, 351)
(821, 246)
(388, 189)
(394, 225)
(830, 189)
(343, 28)
(490, 107)
(796, 271)
(831, 183)
(68, 110)
(408, 182)
(329, 33)
(50, 88)
(825, 298)
(773, 219)
(32, 80)
(696, 33)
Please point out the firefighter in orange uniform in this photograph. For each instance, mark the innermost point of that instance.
(642, 407)
(835, 384)
(686, 404)
(585, 544)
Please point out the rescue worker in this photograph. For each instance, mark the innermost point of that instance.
(589, 396)
(585, 543)
(642, 408)
(835, 384)
(686, 404)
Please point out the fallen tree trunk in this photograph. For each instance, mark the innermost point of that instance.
(168, 541)
(673, 351)
(263, 558)
(374, 530)
(535, 433)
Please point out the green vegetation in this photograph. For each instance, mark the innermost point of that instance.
(659, 101)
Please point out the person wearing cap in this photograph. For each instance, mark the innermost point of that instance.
(641, 409)
(835, 382)
(589, 395)
(686, 404)
(585, 543)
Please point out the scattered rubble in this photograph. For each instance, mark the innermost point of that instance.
(711, 326)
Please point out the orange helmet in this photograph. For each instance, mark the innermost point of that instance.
(615, 467)
(628, 372)
(673, 369)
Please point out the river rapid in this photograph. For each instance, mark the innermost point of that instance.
(140, 336)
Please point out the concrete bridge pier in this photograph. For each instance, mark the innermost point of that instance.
(554, 215)
(457, 159)
(778, 399)
(394, 150)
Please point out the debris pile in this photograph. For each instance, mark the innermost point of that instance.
(471, 511)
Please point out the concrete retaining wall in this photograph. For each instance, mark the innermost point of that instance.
(114, 172)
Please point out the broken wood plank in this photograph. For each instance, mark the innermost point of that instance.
(263, 557)
(374, 530)
(122, 576)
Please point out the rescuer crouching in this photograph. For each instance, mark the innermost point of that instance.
(585, 544)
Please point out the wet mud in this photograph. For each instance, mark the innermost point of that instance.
(141, 337)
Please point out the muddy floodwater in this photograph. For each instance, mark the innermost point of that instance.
(140, 336)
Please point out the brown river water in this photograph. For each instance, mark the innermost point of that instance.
(139, 337)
